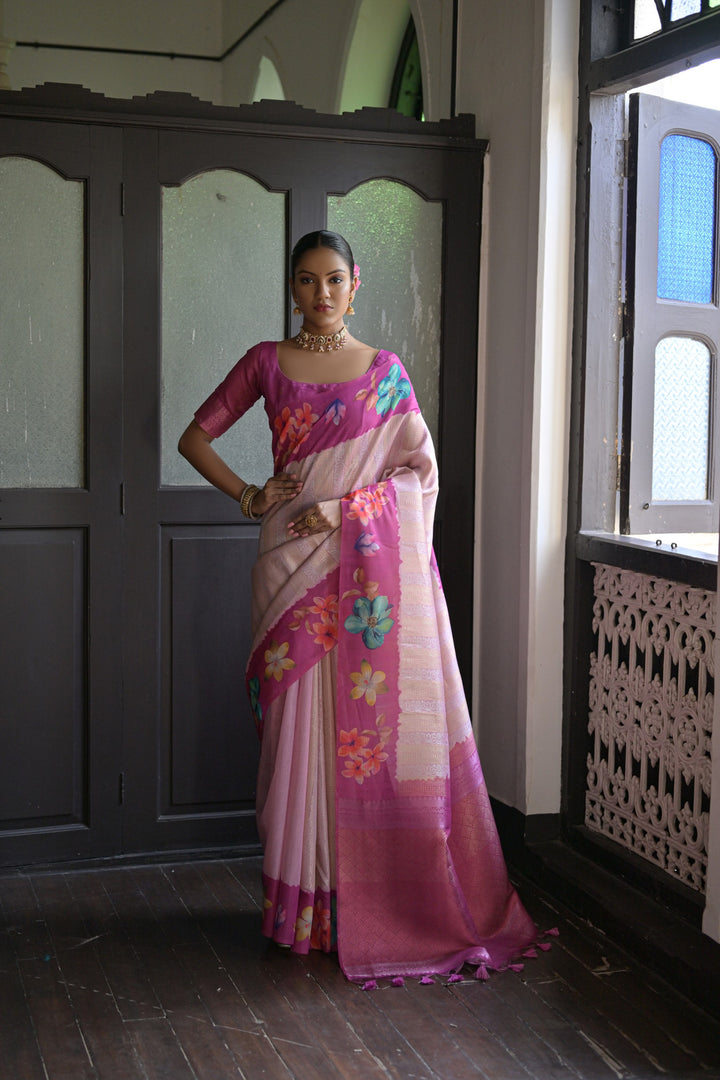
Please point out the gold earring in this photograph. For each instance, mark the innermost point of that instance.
(296, 310)
(350, 310)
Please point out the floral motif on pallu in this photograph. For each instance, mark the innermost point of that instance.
(277, 662)
(254, 692)
(366, 503)
(319, 620)
(367, 688)
(304, 634)
(299, 918)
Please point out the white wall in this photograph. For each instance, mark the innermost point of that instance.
(308, 46)
(529, 54)
(311, 47)
(182, 26)
(372, 56)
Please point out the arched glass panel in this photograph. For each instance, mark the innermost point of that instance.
(42, 326)
(681, 420)
(396, 236)
(268, 86)
(686, 226)
(223, 290)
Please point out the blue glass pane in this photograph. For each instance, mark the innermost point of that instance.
(686, 228)
(681, 8)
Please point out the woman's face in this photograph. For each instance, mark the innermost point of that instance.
(322, 287)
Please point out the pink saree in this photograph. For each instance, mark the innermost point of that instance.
(375, 820)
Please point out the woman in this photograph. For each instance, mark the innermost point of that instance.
(376, 826)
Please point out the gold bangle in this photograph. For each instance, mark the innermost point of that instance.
(246, 500)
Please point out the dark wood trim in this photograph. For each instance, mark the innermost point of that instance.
(645, 557)
(168, 109)
(657, 931)
(663, 54)
(576, 741)
(517, 830)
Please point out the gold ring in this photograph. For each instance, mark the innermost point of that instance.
(311, 520)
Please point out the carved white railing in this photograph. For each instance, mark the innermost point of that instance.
(651, 704)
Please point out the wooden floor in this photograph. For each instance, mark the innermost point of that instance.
(160, 972)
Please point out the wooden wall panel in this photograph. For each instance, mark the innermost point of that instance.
(43, 779)
(210, 746)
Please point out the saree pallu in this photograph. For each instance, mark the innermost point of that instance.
(377, 830)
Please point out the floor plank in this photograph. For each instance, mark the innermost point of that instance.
(161, 973)
(109, 1047)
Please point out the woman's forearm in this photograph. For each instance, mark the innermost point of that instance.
(195, 447)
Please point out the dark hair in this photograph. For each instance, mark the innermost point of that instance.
(322, 239)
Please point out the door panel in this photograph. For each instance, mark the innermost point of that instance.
(43, 673)
(212, 753)
(60, 543)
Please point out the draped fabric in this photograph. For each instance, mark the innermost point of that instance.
(375, 820)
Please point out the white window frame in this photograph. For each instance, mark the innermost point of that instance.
(651, 319)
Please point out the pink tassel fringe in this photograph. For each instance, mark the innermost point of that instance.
(398, 981)
(371, 984)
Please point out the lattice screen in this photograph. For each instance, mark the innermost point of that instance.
(651, 704)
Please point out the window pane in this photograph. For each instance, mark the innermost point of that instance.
(681, 423)
(647, 20)
(681, 8)
(42, 326)
(223, 290)
(686, 228)
(396, 236)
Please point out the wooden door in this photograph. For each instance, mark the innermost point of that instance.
(211, 203)
(60, 473)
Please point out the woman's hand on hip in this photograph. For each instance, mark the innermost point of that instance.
(277, 489)
(320, 518)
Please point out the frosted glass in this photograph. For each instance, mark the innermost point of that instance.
(224, 280)
(396, 237)
(686, 223)
(42, 326)
(646, 20)
(681, 424)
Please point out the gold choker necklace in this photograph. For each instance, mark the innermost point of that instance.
(321, 342)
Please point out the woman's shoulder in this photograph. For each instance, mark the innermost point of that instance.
(261, 357)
